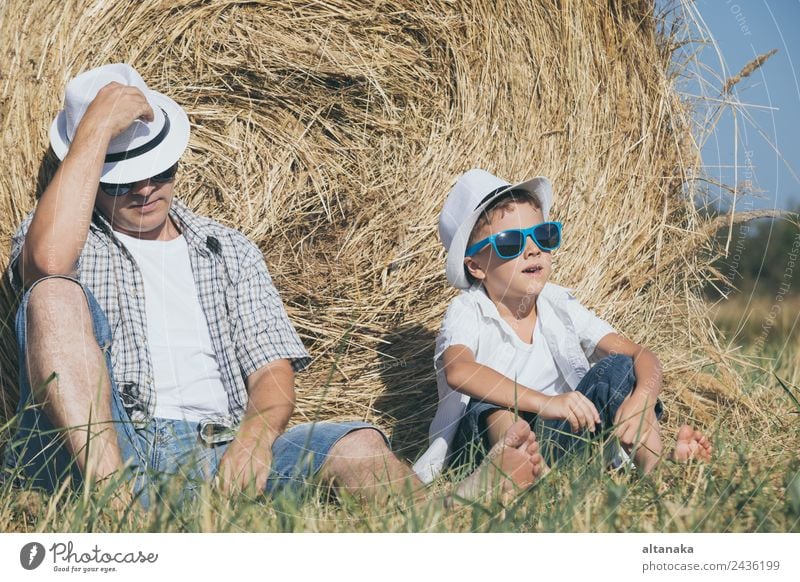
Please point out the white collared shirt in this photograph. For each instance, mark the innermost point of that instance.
(570, 331)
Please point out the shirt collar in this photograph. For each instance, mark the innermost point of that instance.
(549, 300)
(488, 308)
(485, 305)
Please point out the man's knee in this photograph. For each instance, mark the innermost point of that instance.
(57, 297)
(359, 444)
(53, 311)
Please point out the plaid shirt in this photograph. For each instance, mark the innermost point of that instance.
(246, 319)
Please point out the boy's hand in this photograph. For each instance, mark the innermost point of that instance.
(573, 407)
(635, 419)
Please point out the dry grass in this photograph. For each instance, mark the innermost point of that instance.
(764, 328)
(330, 132)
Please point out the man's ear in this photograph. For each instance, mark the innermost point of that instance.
(474, 268)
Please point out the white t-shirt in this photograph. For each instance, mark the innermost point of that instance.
(534, 367)
(187, 378)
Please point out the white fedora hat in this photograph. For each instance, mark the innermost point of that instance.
(141, 151)
(472, 193)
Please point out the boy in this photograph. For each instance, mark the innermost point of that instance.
(511, 341)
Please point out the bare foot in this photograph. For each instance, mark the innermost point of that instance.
(691, 445)
(510, 466)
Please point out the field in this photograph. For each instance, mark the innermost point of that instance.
(752, 485)
(329, 133)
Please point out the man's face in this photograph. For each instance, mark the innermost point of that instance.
(508, 277)
(143, 212)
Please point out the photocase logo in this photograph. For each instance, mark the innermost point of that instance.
(31, 555)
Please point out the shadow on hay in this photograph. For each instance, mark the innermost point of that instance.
(409, 396)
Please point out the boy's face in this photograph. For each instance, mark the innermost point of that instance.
(508, 277)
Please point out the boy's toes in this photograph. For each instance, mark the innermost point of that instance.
(691, 444)
(537, 462)
(684, 433)
(517, 434)
(533, 447)
(704, 445)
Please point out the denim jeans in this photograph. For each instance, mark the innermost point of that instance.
(606, 385)
(162, 448)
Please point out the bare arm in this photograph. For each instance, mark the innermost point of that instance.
(271, 400)
(60, 223)
(646, 366)
(270, 403)
(467, 376)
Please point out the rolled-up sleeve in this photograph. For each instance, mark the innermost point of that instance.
(264, 332)
(14, 271)
(588, 326)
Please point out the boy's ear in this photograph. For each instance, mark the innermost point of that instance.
(474, 268)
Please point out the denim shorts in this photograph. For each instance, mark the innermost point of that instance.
(606, 385)
(36, 457)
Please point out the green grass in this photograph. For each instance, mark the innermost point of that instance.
(752, 485)
(745, 489)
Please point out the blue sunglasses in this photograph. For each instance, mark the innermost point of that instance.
(509, 244)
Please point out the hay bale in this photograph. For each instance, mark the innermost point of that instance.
(329, 133)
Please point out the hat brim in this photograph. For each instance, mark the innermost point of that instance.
(146, 165)
(538, 186)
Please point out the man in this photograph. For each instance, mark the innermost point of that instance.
(197, 379)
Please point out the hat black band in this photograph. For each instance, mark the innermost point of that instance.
(144, 148)
(492, 194)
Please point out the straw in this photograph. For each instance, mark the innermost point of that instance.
(330, 133)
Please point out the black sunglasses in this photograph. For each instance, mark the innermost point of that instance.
(122, 189)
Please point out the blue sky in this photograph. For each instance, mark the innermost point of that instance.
(770, 97)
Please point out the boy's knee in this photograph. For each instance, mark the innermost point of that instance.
(621, 373)
(620, 361)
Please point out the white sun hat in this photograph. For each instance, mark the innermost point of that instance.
(472, 193)
(144, 149)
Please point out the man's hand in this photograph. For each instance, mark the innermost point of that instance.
(246, 463)
(635, 419)
(573, 407)
(114, 108)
